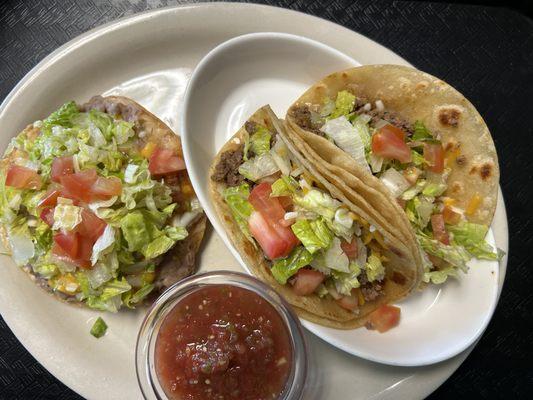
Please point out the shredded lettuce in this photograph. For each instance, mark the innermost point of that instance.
(237, 199)
(318, 202)
(438, 277)
(421, 133)
(66, 217)
(258, 167)
(260, 141)
(283, 269)
(346, 281)
(456, 256)
(344, 104)
(280, 155)
(314, 234)
(374, 268)
(434, 189)
(333, 258)
(99, 328)
(472, 237)
(104, 244)
(284, 186)
(347, 138)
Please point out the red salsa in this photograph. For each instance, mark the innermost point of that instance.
(223, 342)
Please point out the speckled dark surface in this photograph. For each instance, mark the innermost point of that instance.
(486, 53)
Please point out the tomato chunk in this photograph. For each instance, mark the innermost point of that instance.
(270, 207)
(350, 248)
(384, 318)
(47, 215)
(68, 243)
(23, 178)
(434, 155)
(91, 226)
(439, 230)
(399, 133)
(163, 161)
(272, 244)
(387, 144)
(49, 199)
(106, 187)
(349, 303)
(306, 281)
(61, 166)
(78, 185)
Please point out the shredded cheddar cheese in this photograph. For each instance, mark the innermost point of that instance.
(473, 204)
(148, 149)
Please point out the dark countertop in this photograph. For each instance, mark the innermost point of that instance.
(485, 52)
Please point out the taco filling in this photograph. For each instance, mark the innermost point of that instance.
(311, 241)
(89, 205)
(412, 162)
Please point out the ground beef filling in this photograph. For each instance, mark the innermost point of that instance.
(370, 290)
(302, 117)
(227, 169)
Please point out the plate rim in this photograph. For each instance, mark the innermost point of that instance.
(126, 21)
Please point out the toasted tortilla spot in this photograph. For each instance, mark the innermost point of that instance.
(461, 161)
(456, 188)
(449, 116)
(422, 85)
(485, 171)
(473, 170)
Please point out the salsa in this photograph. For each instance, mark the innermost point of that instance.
(223, 342)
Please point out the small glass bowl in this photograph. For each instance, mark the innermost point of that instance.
(146, 339)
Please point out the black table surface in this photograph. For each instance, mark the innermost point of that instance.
(485, 52)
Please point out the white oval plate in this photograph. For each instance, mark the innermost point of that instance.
(151, 51)
(239, 76)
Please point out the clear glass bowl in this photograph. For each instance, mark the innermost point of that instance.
(146, 340)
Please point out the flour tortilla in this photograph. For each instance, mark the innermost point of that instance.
(413, 95)
(323, 311)
(179, 261)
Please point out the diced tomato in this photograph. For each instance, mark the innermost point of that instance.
(384, 318)
(85, 250)
(439, 230)
(389, 128)
(78, 185)
(434, 155)
(450, 216)
(388, 144)
(350, 248)
(272, 244)
(270, 207)
(61, 166)
(50, 199)
(68, 242)
(47, 215)
(348, 302)
(163, 161)
(91, 226)
(306, 281)
(106, 187)
(23, 178)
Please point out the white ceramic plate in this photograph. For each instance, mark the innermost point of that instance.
(147, 51)
(249, 71)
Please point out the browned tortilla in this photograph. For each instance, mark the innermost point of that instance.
(323, 311)
(412, 95)
(178, 262)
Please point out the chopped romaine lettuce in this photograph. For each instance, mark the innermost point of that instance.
(134, 230)
(258, 167)
(456, 256)
(284, 186)
(314, 234)
(343, 104)
(347, 138)
(318, 202)
(333, 258)
(260, 141)
(374, 268)
(472, 237)
(237, 199)
(64, 116)
(66, 217)
(283, 269)
(104, 244)
(395, 182)
(346, 281)
(280, 155)
(421, 133)
(99, 328)
(438, 277)
(434, 189)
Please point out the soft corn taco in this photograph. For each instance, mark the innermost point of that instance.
(405, 135)
(333, 258)
(96, 205)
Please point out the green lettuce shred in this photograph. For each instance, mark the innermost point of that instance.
(237, 199)
(314, 234)
(283, 269)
